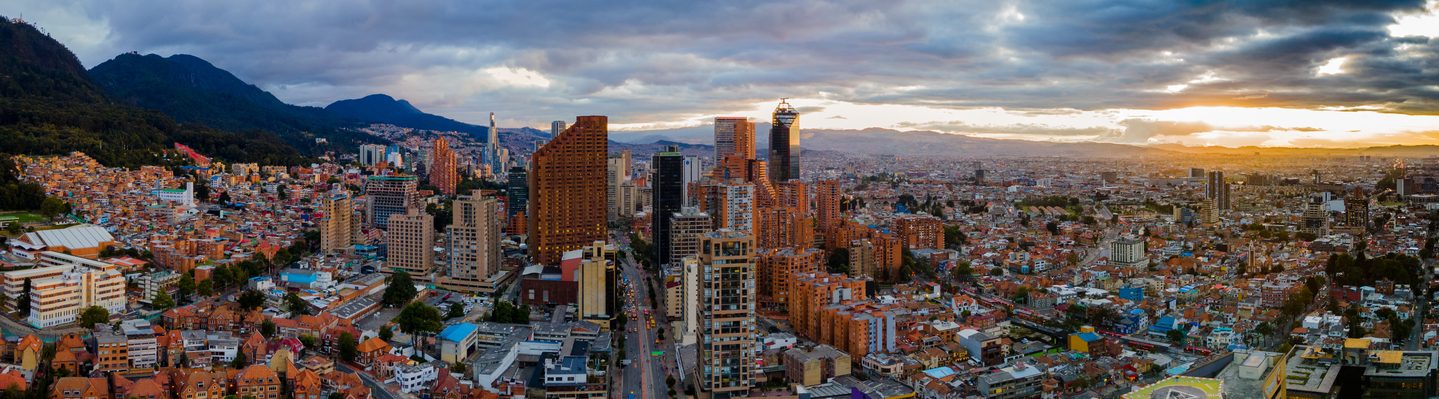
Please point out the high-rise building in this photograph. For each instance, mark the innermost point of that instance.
(862, 260)
(727, 313)
(63, 285)
(1128, 252)
(517, 191)
(784, 143)
(556, 127)
(731, 205)
(1356, 209)
(371, 154)
(693, 172)
(337, 212)
(411, 243)
(686, 227)
(1217, 189)
(734, 136)
(443, 168)
(826, 199)
(598, 273)
(494, 154)
(617, 174)
(667, 191)
(567, 190)
(1316, 217)
(473, 243)
(690, 294)
(388, 195)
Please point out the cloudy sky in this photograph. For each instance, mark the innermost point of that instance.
(1276, 73)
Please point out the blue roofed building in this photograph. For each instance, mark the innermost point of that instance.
(458, 342)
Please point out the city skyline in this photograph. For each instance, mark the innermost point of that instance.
(1254, 74)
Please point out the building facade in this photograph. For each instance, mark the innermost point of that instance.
(567, 190)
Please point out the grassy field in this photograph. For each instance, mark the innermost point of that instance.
(22, 217)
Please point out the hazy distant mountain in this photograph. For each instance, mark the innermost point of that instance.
(1393, 151)
(380, 108)
(49, 105)
(190, 89)
(893, 142)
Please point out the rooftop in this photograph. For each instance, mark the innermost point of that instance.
(1180, 387)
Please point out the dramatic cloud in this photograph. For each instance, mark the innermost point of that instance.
(667, 64)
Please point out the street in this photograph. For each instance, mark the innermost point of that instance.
(645, 377)
(377, 390)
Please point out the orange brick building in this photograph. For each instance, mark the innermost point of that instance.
(778, 267)
(807, 293)
(443, 167)
(567, 190)
(920, 231)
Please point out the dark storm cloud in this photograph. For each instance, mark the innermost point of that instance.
(643, 61)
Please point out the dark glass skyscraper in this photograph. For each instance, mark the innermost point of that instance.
(518, 191)
(667, 193)
(784, 143)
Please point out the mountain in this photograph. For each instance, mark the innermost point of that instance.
(877, 141)
(380, 108)
(192, 90)
(49, 105)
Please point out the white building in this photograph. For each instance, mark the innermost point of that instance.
(184, 197)
(1128, 252)
(141, 343)
(154, 283)
(65, 286)
(415, 378)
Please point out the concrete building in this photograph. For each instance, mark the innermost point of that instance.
(472, 244)
(389, 195)
(65, 286)
(1128, 252)
(862, 261)
(815, 365)
(1018, 381)
(778, 267)
(411, 239)
(686, 227)
(143, 348)
(727, 315)
(337, 213)
(598, 277)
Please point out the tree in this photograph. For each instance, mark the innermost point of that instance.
(400, 291)
(336, 395)
(52, 207)
(1174, 336)
(185, 287)
(240, 360)
(962, 271)
(250, 299)
(94, 315)
(297, 305)
(386, 333)
(202, 190)
(1052, 227)
(205, 288)
(267, 328)
(162, 300)
(417, 317)
(839, 261)
(310, 342)
(14, 228)
(349, 347)
(22, 304)
(456, 310)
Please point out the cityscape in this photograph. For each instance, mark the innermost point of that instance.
(1120, 200)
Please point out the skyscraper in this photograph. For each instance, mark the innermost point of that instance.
(784, 143)
(335, 226)
(567, 190)
(517, 191)
(734, 136)
(556, 127)
(411, 240)
(826, 199)
(667, 192)
(617, 173)
(727, 313)
(472, 243)
(443, 167)
(1217, 189)
(388, 195)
